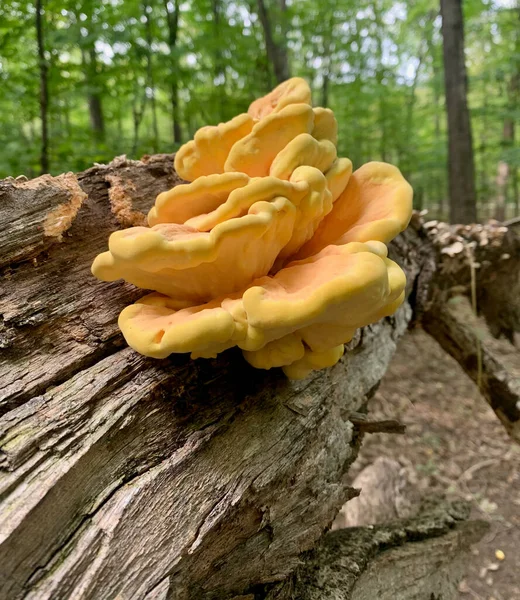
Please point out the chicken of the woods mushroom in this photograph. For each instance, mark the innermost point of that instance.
(275, 245)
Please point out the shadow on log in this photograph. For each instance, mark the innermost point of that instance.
(125, 477)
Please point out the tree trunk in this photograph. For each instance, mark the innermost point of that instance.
(409, 150)
(138, 108)
(325, 89)
(463, 201)
(219, 71)
(95, 102)
(142, 478)
(276, 52)
(508, 141)
(502, 180)
(177, 130)
(380, 73)
(147, 11)
(172, 16)
(90, 69)
(514, 99)
(44, 89)
(516, 191)
(327, 60)
(96, 115)
(438, 189)
(483, 185)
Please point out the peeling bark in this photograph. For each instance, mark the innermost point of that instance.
(120, 196)
(35, 214)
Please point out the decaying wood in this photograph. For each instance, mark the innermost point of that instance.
(479, 267)
(126, 477)
(486, 257)
(422, 557)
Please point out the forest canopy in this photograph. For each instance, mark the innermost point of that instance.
(140, 77)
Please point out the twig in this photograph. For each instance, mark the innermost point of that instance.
(513, 221)
(468, 473)
(361, 423)
(474, 593)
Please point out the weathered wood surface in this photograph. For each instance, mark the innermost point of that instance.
(421, 558)
(125, 477)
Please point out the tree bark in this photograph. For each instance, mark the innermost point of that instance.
(463, 202)
(276, 52)
(44, 89)
(148, 479)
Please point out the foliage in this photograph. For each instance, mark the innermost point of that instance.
(377, 63)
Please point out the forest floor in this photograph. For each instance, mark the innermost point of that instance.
(455, 446)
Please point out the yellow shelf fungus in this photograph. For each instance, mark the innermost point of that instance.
(293, 91)
(308, 309)
(275, 246)
(208, 151)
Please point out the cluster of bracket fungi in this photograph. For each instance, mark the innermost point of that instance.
(275, 246)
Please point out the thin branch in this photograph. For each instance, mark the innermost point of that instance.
(363, 425)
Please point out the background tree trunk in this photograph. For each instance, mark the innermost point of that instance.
(463, 201)
(148, 11)
(276, 52)
(219, 70)
(380, 74)
(502, 181)
(93, 77)
(172, 17)
(514, 99)
(95, 103)
(162, 479)
(44, 89)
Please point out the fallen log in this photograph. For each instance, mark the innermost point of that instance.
(493, 364)
(420, 557)
(126, 477)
